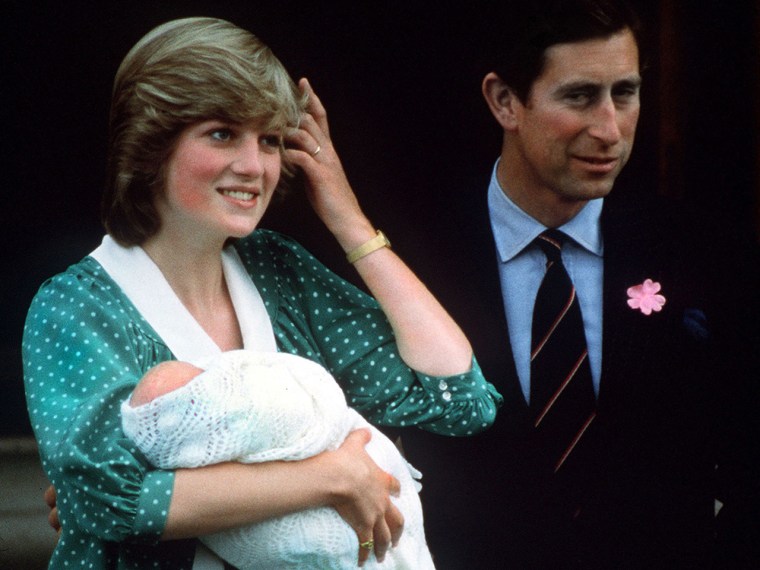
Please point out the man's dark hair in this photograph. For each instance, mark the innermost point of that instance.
(518, 47)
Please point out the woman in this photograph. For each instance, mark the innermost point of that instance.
(203, 120)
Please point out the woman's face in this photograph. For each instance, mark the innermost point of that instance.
(219, 180)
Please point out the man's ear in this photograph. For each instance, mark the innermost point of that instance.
(501, 100)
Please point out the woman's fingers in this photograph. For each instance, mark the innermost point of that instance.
(50, 497)
(314, 106)
(53, 520)
(367, 506)
(385, 533)
(313, 132)
(395, 522)
(382, 536)
(366, 544)
(307, 138)
(51, 500)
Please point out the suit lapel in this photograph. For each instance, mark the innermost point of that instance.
(632, 254)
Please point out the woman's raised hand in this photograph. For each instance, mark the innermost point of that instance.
(364, 500)
(329, 192)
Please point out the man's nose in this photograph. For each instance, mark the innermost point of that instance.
(605, 122)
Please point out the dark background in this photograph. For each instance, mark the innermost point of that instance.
(401, 83)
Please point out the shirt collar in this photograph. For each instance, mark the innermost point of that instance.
(514, 229)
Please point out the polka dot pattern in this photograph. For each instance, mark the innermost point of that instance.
(85, 346)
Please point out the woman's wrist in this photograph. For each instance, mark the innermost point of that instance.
(354, 234)
(378, 242)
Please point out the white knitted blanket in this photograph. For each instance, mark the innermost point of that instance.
(263, 406)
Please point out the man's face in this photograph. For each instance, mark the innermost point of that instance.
(575, 132)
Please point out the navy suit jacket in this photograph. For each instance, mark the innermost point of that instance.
(649, 477)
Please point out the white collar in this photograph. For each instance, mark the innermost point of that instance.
(143, 283)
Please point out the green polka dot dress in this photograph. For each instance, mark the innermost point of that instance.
(85, 346)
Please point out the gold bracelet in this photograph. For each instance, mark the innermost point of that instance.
(377, 242)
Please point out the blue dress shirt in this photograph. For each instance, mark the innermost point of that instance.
(522, 265)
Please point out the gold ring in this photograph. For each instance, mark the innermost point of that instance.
(368, 544)
(316, 151)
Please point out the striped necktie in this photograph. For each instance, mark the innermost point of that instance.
(561, 392)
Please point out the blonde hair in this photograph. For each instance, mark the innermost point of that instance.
(180, 73)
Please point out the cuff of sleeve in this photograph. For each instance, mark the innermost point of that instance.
(467, 386)
(153, 506)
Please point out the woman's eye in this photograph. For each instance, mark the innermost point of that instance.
(221, 135)
(271, 140)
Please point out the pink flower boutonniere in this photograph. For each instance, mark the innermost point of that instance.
(646, 297)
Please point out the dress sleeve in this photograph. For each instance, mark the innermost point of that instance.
(83, 352)
(323, 317)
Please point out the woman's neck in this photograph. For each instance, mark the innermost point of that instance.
(193, 270)
(196, 276)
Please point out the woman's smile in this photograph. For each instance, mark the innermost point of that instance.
(245, 197)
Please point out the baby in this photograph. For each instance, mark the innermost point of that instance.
(261, 406)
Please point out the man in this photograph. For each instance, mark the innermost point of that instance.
(630, 481)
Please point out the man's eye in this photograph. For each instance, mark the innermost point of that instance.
(625, 93)
(578, 97)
